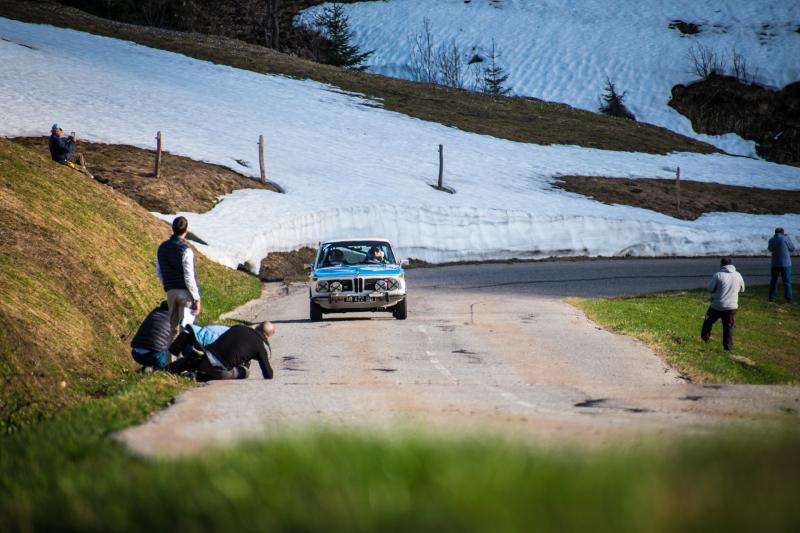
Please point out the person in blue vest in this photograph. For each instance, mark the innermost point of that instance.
(62, 149)
(781, 247)
(150, 344)
(175, 269)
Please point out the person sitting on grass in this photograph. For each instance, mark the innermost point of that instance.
(725, 286)
(151, 342)
(62, 149)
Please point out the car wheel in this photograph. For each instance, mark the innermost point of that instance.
(315, 312)
(400, 310)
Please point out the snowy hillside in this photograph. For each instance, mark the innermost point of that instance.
(352, 169)
(563, 51)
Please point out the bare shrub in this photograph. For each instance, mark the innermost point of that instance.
(450, 65)
(447, 64)
(705, 61)
(423, 56)
(741, 71)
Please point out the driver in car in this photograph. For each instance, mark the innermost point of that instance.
(335, 258)
(375, 255)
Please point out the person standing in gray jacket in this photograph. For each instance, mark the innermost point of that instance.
(725, 287)
(781, 247)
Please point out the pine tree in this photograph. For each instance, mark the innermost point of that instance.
(494, 77)
(613, 103)
(337, 51)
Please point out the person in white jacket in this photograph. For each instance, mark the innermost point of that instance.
(725, 287)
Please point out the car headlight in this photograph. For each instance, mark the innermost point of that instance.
(387, 284)
(322, 286)
(335, 286)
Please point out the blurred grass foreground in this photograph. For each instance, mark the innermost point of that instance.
(67, 474)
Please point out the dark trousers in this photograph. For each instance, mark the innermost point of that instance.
(728, 324)
(785, 274)
(207, 372)
(204, 370)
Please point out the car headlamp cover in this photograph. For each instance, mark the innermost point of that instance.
(322, 286)
(335, 286)
(388, 284)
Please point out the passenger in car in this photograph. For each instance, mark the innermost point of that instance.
(335, 258)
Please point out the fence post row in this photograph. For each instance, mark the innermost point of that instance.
(441, 166)
(157, 170)
(261, 159)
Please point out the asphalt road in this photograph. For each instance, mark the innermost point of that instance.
(584, 278)
(489, 350)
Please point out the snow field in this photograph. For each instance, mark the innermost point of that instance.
(354, 170)
(564, 51)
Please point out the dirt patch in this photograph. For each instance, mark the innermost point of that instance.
(686, 28)
(184, 185)
(286, 266)
(723, 104)
(696, 197)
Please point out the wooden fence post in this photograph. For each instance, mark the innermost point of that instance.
(261, 159)
(678, 188)
(441, 167)
(157, 170)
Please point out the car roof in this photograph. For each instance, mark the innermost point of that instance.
(375, 239)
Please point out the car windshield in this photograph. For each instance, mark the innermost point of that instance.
(355, 253)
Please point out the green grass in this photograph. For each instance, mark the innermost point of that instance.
(77, 277)
(222, 292)
(768, 334)
(67, 474)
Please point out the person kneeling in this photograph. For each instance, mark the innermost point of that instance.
(149, 345)
(229, 356)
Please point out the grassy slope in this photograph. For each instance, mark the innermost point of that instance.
(76, 278)
(517, 119)
(344, 483)
(768, 334)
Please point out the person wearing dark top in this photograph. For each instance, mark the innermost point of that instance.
(149, 345)
(229, 356)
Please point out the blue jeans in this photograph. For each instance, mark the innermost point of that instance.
(157, 360)
(786, 276)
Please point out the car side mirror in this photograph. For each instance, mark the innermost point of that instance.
(308, 266)
(404, 263)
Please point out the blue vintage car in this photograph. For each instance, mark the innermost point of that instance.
(357, 275)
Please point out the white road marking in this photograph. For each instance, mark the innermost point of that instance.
(506, 395)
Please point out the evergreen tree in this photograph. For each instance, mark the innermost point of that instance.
(612, 103)
(337, 50)
(494, 77)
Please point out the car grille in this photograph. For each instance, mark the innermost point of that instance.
(347, 284)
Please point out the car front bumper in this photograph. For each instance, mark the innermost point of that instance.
(357, 302)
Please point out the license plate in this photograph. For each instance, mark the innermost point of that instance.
(356, 299)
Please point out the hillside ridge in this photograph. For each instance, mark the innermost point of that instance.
(77, 275)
